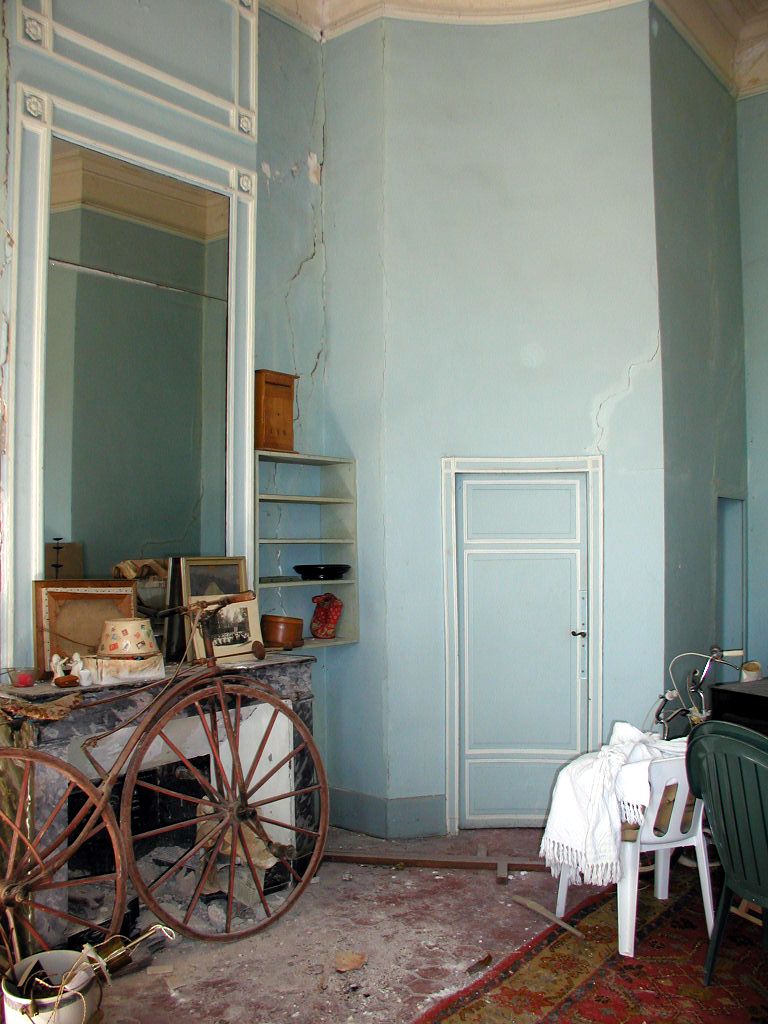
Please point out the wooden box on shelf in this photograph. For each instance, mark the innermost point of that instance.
(274, 410)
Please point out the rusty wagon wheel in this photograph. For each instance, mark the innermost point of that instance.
(62, 862)
(224, 810)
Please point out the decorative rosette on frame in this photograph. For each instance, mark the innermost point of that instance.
(327, 614)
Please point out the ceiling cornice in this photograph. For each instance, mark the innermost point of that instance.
(85, 178)
(731, 36)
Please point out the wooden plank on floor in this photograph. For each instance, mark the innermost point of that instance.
(469, 862)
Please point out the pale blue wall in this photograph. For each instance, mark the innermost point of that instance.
(136, 457)
(213, 382)
(132, 413)
(753, 192)
(702, 337)
(61, 332)
(290, 257)
(290, 252)
(491, 291)
(5, 258)
(358, 697)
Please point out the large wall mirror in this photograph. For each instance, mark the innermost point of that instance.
(136, 343)
(131, 409)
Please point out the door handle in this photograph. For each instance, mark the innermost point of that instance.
(579, 632)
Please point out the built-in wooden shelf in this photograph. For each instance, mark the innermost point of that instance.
(305, 499)
(307, 508)
(325, 584)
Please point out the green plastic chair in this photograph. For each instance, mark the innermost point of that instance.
(728, 768)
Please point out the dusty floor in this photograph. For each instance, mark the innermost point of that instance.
(420, 929)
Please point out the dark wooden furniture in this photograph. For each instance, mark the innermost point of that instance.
(742, 703)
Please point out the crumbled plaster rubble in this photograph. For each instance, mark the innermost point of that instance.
(420, 929)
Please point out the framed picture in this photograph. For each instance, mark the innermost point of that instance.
(234, 630)
(212, 577)
(69, 614)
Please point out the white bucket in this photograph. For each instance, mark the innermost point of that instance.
(74, 1007)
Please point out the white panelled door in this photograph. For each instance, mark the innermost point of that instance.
(523, 612)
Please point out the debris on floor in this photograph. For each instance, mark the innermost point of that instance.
(481, 964)
(419, 928)
(347, 960)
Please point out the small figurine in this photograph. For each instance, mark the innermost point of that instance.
(327, 614)
(65, 670)
(78, 669)
(59, 666)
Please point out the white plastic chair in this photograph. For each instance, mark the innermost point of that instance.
(662, 774)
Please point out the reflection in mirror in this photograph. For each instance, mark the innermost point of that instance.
(135, 362)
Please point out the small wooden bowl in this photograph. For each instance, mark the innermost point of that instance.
(282, 631)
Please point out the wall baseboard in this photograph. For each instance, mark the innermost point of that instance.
(404, 818)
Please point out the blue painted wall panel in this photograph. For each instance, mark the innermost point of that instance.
(491, 291)
(290, 256)
(521, 316)
(359, 695)
(702, 340)
(753, 192)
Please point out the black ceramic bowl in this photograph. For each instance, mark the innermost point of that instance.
(321, 572)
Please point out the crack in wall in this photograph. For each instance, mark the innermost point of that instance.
(317, 245)
(324, 273)
(616, 396)
(315, 165)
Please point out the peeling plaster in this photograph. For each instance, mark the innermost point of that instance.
(266, 170)
(608, 404)
(314, 169)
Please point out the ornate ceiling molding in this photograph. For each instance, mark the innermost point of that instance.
(85, 178)
(731, 36)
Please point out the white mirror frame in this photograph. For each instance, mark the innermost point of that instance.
(37, 117)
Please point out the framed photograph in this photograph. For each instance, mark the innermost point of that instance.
(234, 629)
(69, 614)
(212, 577)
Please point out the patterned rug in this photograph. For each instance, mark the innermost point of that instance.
(559, 977)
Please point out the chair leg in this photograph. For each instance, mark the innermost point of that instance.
(629, 856)
(661, 861)
(705, 879)
(723, 911)
(562, 890)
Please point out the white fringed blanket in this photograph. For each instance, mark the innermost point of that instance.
(593, 795)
